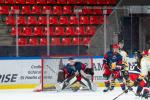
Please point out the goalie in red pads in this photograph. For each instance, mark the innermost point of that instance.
(73, 73)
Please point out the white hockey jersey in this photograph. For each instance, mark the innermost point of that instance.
(145, 65)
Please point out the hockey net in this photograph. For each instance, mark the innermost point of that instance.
(52, 71)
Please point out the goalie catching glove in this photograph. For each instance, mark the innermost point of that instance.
(89, 71)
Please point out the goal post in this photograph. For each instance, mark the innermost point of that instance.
(52, 70)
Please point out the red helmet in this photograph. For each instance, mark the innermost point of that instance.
(145, 52)
(115, 46)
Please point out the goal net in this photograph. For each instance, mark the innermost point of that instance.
(52, 70)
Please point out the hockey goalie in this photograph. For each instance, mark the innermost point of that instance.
(73, 73)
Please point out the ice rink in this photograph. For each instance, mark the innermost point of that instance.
(27, 94)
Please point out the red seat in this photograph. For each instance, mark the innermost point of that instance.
(51, 31)
(97, 11)
(38, 31)
(100, 2)
(80, 30)
(63, 20)
(94, 20)
(36, 10)
(86, 41)
(4, 9)
(43, 41)
(112, 2)
(41, 1)
(33, 41)
(67, 10)
(13, 9)
(73, 20)
(81, 1)
(21, 20)
(27, 31)
(45, 8)
(69, 31)
(61, 1)
(20, 1)
(91, 1)
(53, 20)
(26, 10)
(9, 1)
(66, 41)
(57, 10)
(32, 20)
(76, 41)
(101, 20)
(1, 1)
(13, 31)
(59, 31)
(42, 20)
(71, 1)
(30, 2)
(84, 20)
(22, 41)
(90, 30)
(10, 20)
(87, 10)
(55, 41)
(109, 10)
(51, 1)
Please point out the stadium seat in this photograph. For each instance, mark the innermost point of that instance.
(94, 20)
(51, 31)
(38, 31)
(80, 30)
(30, 2)
(36, 10)
(55, 41)
(101, 20)
(76, 41)
(81, 1)
(45, 8)
(61, 1)
(66, 41)
(9, 1)
(27, 31)
(26, 10)
(57, 10)
(53, 20)
(33, 42)
(42, 20)
(87, 11)
(84, 20)
(13, 9)
(90, 30)
(73, 20)
(86, 41)
(43, 41)
(22, 41)
(10, 20)
(32, 20)
(97, 11)
(13, 31)
(67, 10)
(63, 20)
(1, 1)
(101, 2)
(69, 31)
(91, 1)
(109, 10)
(41, 1)
(20, 1)
(21, 20)
(51, 1)
(4, 9)
(59, 31)
(71, 1)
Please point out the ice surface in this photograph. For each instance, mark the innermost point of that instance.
(28, 94)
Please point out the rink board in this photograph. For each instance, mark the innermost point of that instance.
(25, 73)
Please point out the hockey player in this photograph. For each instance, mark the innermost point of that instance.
(73, 73)
(125, 70)
(112, 65)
